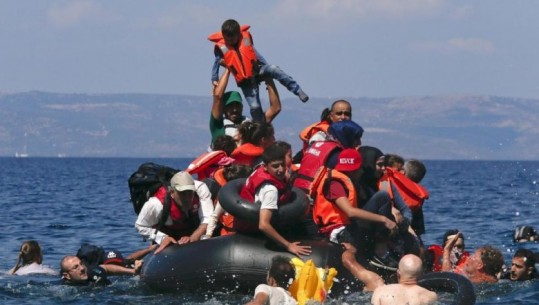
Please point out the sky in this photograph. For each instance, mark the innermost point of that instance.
(335, 49)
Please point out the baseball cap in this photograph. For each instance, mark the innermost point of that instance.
(182, 181)
(113, 257)
(232, 97)
(348, 160)
(346, 132)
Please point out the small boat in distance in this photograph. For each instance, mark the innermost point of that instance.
(23, 154)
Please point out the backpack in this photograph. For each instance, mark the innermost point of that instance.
(91, 255)
(146, 180)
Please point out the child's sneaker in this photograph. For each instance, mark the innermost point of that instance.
(302, 96)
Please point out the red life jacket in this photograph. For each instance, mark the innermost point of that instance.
(412, 193)
(326, 214)
(248, 191)
(314, 158)
(260, 176)
(247, 154)
(240, 60)
(438, 253)
(183, 223)
(206, 164)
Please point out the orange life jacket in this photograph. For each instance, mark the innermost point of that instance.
(412, 193)
(310, 130)
(219, 176)
(247, 154)
(240, 60)
(206, 164)
(326, 214)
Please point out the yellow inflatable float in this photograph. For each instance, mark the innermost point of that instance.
(311, 283)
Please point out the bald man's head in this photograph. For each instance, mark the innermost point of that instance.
(410, 266)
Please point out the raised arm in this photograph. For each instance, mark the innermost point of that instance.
(218, 106)
(274, 100)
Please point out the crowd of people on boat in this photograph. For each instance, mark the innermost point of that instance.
(369, 202)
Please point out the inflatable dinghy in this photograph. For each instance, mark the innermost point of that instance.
(238, 263)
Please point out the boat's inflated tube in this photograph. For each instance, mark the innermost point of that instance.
(233, 263)
(238, 263)
(287, 213)
(456, 284)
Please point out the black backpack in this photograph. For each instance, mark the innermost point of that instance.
(90, 255)
(146, 180)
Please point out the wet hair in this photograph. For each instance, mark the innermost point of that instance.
(449, 233)
(415, 170)
(492, 260)
(225, 143)
(230, 27)
(235, 171)
(253, 132)
(525, 233)
(273, 153)
(282, 271)
(29, 253)
(392, 159)
(528, 256)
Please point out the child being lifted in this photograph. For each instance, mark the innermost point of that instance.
(234, 49)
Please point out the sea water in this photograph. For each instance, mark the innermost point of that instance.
(63, 202)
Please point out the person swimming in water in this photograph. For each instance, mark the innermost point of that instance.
(30, 260)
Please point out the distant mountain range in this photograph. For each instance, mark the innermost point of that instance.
(152, 125)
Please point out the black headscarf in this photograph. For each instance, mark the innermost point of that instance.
(369, 177)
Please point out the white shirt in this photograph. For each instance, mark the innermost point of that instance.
(318, 137)
(150, 214)
(268, 196)
(35, 268)
(277, 295)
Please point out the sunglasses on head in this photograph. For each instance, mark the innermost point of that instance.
(346, 113)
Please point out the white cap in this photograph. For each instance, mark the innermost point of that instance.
(182, 181)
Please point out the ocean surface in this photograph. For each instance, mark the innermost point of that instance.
(63, 202)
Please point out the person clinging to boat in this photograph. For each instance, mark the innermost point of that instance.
(235, 49)
(177, 214)
(454, 246)
(407, 290)
(75, 272)
(483, 266)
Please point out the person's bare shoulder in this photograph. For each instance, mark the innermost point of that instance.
(426, 296)
(383, 292)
